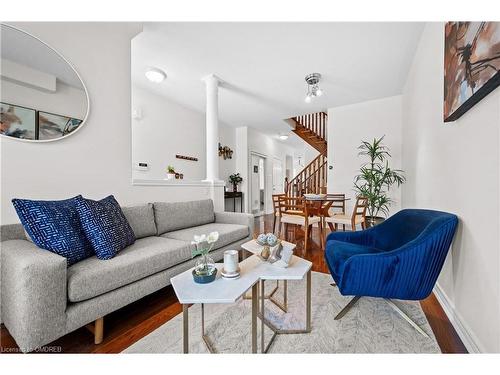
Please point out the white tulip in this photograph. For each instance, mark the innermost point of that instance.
(199, 239)
(213, 237)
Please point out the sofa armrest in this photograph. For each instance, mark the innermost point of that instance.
(33, 293)
(236, 218)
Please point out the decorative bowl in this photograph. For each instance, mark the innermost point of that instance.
(205, 278)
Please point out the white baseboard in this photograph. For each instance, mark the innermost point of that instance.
(465, 334)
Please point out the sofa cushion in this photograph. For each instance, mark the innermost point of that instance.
(147, 256)
(228, 233)
(55, 226)
(142, 219)
(170, 216)
(105, 226)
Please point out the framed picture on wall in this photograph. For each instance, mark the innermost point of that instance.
(471, 65)
(17, 121)
(51, 126)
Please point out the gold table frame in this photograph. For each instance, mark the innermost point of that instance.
(277, 331)
(206, 340)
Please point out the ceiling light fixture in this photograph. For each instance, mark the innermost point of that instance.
(155, 75)
(313, 88)
(283, 136)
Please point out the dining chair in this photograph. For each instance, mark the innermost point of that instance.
(295, 211)
(276, 210)
(358, 216)
(337, 206)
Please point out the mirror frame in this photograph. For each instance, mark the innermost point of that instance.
(84, 120)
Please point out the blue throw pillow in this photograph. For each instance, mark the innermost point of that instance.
(105, 226)
(55, 226)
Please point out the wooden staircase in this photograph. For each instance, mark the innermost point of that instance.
(313, 178)
(312, 129)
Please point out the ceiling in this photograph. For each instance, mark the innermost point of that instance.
(263, 65)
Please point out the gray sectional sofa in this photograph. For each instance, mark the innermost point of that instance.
(42, 299)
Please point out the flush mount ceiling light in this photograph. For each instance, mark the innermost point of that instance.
(313, 88)
(283, 136)
(155, 75)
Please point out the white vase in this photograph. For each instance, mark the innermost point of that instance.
(170, 176)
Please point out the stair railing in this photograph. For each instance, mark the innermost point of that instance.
(315, 122)
(311, 179)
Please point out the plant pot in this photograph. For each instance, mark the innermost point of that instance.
(235, 187)
(205, 278)
(372, 221)
(170, 176)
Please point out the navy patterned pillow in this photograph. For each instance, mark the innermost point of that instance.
(105, 226)
(55, 226)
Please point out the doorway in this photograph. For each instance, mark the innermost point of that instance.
(257, 184)
(278, 180)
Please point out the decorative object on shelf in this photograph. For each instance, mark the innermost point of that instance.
(376, 178)
(59, 90)
(313, 89)
(225, 152)
(471, 65)
(231, 269)
(281, 255)
(204, 271)
(190, 158)
(170, 172)
(271, 249)
(235, 179)
(267, 241)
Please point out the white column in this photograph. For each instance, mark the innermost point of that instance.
(212, 127)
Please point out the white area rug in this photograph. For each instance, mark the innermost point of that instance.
(371, 326)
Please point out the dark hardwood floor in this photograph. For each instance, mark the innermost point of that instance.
(129, 324)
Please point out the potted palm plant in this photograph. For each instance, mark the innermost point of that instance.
(376, 178)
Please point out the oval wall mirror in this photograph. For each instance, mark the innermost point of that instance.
(42, 97)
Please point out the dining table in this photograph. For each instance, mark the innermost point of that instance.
(320, 206)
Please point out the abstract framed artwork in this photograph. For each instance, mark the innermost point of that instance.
(17, 121)
(471, 65)
(52, 126)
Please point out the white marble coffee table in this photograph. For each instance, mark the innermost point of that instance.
(253, 272)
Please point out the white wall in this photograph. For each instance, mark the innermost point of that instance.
(351, 124)
(97, 160)
(454, 167)
(242, 162)
(164, 130)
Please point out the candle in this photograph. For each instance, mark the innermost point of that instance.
(230, 261)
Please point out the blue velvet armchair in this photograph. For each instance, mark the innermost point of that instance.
(400, 258)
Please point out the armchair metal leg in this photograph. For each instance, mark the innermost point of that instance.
(392, 304)
(347, 307)
(406, 317)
